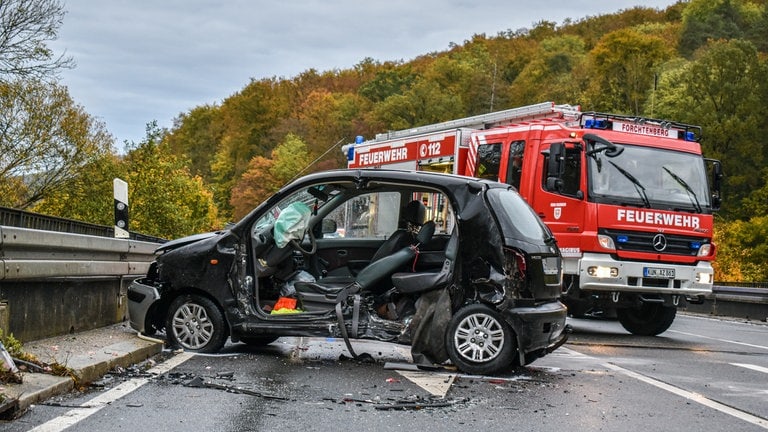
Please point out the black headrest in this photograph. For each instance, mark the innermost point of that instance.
(414, 212)
(426, 232)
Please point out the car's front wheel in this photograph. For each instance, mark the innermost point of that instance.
(196, 324)
(479, 341)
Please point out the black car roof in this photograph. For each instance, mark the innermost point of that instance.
(425, 178)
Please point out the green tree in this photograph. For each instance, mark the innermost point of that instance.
(623, 66)
(551, 74)
(388, 79)
(722, 90)
(265, 176)
(164, 198)
(245, 131)
(45, 139)
(195, 136)
(424, 103)
(742, 250)
(705, 20)
(89, 196)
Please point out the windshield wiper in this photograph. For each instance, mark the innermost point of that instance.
(691, 194)
(635, 182)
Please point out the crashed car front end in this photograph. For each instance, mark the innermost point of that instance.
(142, 297)
(194, 261)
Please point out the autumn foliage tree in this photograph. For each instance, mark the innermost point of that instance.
(265, 176)
(45, 140)
(701, 62)
(45, 137)
(164, 198)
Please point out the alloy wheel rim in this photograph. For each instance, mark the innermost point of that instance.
(191, 326)
(479, 338)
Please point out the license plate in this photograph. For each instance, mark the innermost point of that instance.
(657, 272)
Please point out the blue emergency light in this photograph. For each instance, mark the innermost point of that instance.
(351, 148)
(595, 124)
(622, 239)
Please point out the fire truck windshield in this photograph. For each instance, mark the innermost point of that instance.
(649, 177)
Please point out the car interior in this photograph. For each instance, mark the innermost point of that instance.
(373, 239)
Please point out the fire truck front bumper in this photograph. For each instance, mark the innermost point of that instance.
(600, 272)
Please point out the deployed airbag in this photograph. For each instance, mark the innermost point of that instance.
(292, 223)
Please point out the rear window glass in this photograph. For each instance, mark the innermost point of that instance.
(517, 218)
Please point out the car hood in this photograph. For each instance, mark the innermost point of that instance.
(173, 244)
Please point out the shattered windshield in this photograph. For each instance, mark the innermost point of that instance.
(649, 177)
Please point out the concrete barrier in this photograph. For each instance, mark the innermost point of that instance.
(747, 302)
(53, 283)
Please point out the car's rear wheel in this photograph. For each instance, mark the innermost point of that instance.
(479, 341)
(196, 324)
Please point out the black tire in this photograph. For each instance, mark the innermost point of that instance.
(479, 341)
(149, 330)
(194, 323)
(650, 319)
(258, 341)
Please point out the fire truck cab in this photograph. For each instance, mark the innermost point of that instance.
(630, 200)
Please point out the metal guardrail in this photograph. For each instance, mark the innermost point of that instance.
(36, 246)
(24, 219)
(742, 292)
(36, 254)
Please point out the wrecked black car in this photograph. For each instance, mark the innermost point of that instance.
(460, 269)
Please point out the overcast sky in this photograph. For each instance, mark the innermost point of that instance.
(144, 60)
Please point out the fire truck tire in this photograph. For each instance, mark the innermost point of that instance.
(650, 319)
(479, 341)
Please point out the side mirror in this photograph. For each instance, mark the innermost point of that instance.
(329, 226)
(717, 181)
(556, 167)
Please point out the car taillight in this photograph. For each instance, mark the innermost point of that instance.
(520, 265)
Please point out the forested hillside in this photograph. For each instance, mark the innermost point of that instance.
(700, 62)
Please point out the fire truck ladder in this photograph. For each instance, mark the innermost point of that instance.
(486, 121)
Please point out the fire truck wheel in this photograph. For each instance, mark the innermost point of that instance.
(650, 319)
(479, 341)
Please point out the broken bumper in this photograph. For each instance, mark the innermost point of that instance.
(141, 297)
(540, 330)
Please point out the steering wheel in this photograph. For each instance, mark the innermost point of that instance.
(312, 241)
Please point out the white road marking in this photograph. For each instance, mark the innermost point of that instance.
(89, 408)
(721, 340)
(692, 396)
(751, 366)
(437, 384)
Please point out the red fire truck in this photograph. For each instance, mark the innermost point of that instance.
(629, 199)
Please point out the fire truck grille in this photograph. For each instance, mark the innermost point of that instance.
(655, 242)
